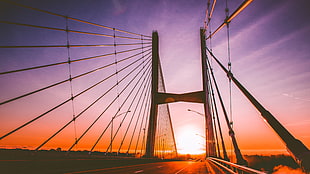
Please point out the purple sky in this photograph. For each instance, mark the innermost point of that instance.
(269, 43)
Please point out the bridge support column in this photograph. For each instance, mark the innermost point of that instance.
(210, 141)
(150, 142)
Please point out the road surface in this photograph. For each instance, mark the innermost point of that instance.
(104, 166)
(172, 167)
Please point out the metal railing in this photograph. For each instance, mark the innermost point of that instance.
(233, 168)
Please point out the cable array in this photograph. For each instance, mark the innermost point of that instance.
(213, 83)
(93, 60)
(228, 19)
(165, 145)
(293, 145)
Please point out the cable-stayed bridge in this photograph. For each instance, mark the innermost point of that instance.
(80, 85)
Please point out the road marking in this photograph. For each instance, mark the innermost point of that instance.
(104, 169)
(181, 170)
(159, 166)
(139, 171)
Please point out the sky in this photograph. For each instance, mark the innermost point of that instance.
(269, 45)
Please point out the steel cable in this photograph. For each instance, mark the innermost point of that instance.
(111, 120)
(72, 61)
(56, 84)
(129, 106)
(143, 92)
(71, 18)
(27, 123)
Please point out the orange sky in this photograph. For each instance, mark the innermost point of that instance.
(269, 57)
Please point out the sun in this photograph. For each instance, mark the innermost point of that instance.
(189, 141)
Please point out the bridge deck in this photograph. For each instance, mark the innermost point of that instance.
(105, 166)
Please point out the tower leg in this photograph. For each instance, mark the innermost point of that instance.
(150, 142)
(210, 142)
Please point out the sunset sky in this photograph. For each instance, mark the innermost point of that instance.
(270, 56)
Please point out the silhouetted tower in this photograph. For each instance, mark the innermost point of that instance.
(162, 98)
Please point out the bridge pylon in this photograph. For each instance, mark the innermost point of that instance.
(158, 98)
(150, 141)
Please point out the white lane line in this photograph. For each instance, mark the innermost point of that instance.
(181, 170)
(139, 171)
(112, 168)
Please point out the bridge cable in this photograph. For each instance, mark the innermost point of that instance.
(297, 149)
(239, 157)
(71, 18)
(61, 104)
(110, 105)
(146, 111)
(117, 88)
(115, 114)
(143, 124)
(243, 5)
(144, 128)
(64, 46)
(168, 111)
(110, 145)
(216, 111)
(143, 103)
(71, 61)
(213, 115)
(93, 123)
(58, 83)
(206, 20)
(135, 110)
(116, 67)
(165, 128)
(212, 98)
(80, 115)
(229, 64)
(70, 80)
(158, 135)
(220, 129)
(70, 69)
(73, 31)
(129, 124)
(147, 93)
(209, 13)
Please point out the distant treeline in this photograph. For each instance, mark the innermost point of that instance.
(20, 154)
(268, 163)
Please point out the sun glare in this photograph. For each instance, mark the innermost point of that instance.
(189, 141)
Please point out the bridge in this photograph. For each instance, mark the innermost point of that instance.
(92, 91)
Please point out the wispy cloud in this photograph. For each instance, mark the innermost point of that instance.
(119, 7)
(295, 98)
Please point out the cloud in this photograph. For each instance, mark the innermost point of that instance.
(286, 170)
(295, 98)
(119, 7)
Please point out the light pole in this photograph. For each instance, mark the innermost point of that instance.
(196, 112)
(112, 128)
(201, 136)
(161, 143)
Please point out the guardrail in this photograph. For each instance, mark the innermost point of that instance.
(232, 167)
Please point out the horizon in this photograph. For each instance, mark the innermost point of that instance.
(263, 152)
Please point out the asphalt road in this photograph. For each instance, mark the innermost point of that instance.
(172, 167)
(91, 166)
